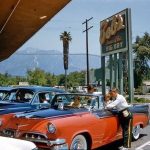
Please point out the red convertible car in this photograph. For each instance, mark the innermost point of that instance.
(75, 121)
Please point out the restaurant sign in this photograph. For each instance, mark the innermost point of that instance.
(114, 33)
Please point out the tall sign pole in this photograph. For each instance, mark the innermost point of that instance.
(87, 49)
(130, 59)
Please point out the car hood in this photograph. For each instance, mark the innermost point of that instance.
(37, 121)
(47, 113)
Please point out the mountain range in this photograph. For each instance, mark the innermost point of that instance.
(48, 60)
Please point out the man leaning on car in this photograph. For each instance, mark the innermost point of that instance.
(125, 116)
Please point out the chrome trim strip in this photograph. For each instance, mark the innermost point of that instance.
(48, 142)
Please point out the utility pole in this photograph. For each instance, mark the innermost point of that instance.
(87, 51)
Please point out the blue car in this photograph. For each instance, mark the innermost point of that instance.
(28, 98)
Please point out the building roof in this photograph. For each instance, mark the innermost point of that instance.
(21, 19)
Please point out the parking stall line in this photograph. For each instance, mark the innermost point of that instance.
(142, 146)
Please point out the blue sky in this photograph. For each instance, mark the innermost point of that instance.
(71, 17)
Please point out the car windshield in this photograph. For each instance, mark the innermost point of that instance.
(3, 94)
(19, 95)
(73, 101)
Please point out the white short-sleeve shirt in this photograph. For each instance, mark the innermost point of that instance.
(119, 103)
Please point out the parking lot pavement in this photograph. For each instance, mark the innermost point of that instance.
(145, 146)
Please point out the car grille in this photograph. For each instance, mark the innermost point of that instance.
(32, 136)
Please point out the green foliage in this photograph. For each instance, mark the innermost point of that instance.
(6, 79)
(36, 77)
(76, 79)
(40, 77)
(142, 56)
(141, 100)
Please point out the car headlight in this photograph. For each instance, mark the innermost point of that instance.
(51, 128)
(1, 122)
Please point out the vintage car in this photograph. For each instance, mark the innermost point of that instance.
(27, 98)
(16, 144)
(77, 121)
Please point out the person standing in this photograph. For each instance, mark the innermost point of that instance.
(124, 115)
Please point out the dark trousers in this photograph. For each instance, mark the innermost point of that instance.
(126, 124)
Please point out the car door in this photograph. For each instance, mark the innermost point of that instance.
(109, 120)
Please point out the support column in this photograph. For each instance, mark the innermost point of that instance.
(121, 73)
(116, 70)
(111, 71)
(103, 69)
(130, 60)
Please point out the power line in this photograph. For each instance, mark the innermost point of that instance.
(54, 54)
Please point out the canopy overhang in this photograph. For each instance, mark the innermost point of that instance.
(20, 19)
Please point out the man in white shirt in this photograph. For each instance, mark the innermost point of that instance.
(125, 116)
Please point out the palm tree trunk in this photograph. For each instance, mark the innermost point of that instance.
(65, 79)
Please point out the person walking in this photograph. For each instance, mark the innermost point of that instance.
(124, 115)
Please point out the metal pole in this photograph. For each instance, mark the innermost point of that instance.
(120, 73)
(103, 69)
(87, 48)
(130, 60)
(116, 70)
(111, 71)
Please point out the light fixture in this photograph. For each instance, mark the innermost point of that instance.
(43, 17)
(51, 128)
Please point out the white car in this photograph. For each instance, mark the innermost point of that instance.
(16, 144)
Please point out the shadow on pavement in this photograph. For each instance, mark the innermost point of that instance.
(112, 146)
(142, 135)
(115, 145)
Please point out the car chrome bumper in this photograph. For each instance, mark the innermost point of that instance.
(60, 147)
(57, 142)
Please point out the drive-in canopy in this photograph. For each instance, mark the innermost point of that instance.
(20, 19)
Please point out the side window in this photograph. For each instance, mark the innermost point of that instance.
(36, 99)
(10, 96)
(28, 96)
(50, 96)
(24, 95)
(101, 102)
(45, 97)
(94, 103)
(62, 99)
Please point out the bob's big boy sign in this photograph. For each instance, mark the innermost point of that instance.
(114, 33)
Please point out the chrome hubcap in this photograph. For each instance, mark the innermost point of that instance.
(78, 145)
(136, 131)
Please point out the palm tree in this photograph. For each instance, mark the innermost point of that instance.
(65, 37)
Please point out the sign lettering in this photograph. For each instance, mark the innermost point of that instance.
(114, 33)
(110, 28)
